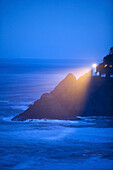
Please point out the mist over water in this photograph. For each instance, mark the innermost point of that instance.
(48, 144)
(30, 65)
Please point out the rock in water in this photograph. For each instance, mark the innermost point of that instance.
(52, 105)
(86, 96)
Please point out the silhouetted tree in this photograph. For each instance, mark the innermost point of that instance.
(107, 66)
(111, 51)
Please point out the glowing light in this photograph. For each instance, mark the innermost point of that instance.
(110, 66)
(105, 65)
(94, 65)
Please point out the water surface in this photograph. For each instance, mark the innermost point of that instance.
(48, 144)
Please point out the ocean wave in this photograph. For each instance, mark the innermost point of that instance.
(52, 121)
(92, 118)
(4, 101)
(7, 119)
(75, 123)
(19, 107)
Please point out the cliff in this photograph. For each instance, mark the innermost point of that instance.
(86, 96)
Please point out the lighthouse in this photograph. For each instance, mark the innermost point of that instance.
(94, 69)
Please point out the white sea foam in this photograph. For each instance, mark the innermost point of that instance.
(7, 119)
(26, 103)
(61, 122)
(19, 107)
(81, 117)
(52, 121)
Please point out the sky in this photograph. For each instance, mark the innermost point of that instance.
(56, 29)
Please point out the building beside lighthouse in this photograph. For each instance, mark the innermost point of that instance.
(105, 69)
(102, 70)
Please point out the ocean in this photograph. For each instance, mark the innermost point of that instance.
(48, 144)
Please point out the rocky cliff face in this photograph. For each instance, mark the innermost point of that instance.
(86, 96)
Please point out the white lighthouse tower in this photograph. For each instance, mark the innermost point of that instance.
(94, 70)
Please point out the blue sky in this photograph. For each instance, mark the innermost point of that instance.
(56, 29)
